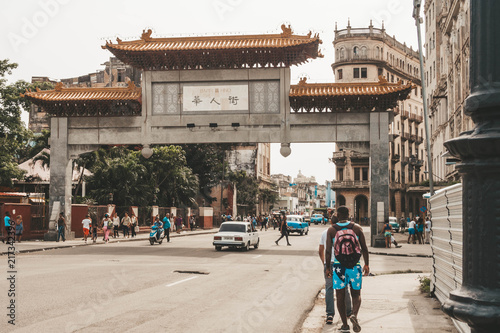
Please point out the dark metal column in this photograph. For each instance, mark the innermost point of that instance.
(478, 301)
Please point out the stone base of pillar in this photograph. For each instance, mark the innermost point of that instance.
(477, 307)
(378, 241)
(70, 235)
(50, 236)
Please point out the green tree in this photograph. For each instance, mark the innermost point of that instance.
(205, 160)
(124, 177)
(173, 182)
(15, 138)
(247, 188)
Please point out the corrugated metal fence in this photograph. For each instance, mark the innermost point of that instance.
(446, 208)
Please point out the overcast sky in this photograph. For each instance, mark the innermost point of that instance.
(63, 38)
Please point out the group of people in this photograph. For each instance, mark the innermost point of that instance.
(13, 230)
(128, 224)
(166, 224)
(419, 230)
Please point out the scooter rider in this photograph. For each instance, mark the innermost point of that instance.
(159, 225)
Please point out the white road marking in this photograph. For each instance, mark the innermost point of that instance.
(260, 255)
(181, 281)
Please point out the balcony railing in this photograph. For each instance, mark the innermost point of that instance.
(395, 158)
(419, 140)
(338, 184)
(419, 119)
(413, 137)
(405, 135)
(405, 160)
(404, 114)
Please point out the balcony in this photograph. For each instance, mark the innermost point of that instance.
(419, 140)
(349, 184)
(396, 110)
(413, 137)
(405, 136)
(405, 160)
(395, 158)
(337, 156)
(419, 119)
(404, 114)
(413, 117)
(415, 163)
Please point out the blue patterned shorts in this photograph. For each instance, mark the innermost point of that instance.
(341, 274)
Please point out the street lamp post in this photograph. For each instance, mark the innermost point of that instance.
(418, 21)
(477, 302)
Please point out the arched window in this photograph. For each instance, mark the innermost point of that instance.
(342, 53)
(377, 53)
(364, 51)
(355, 50)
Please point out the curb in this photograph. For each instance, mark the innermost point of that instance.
(88, 244)
(401, 254)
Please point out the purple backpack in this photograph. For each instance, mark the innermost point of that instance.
(346, 246)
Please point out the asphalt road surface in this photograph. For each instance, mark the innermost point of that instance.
(182, 286)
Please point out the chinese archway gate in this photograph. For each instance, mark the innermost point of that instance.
(219, 89)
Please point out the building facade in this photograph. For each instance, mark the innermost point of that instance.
(447, 26)
(371, 55)
(114, 74)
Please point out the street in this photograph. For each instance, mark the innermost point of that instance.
(182, 286)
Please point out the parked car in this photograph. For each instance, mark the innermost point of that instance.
(297, 223)
(393, 222)
(236, 235)
(317, 218)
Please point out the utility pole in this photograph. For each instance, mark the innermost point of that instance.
(418, 21)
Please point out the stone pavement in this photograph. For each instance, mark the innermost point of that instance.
(40, 245)
(391, 303)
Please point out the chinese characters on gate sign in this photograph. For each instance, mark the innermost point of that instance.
(215, 97)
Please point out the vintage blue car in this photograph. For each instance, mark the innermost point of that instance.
(317, 218)
(297, 223)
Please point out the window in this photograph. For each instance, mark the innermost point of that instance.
(392, 78)
(340, 174)
(355, 50)
(339, 74)
(121, 77)
(356, 173)
(364, 51)
(380, 72)
(355, 73)
(342, 53)
(364, 72)
(365, 174)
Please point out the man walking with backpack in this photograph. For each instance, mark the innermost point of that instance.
(348, 242)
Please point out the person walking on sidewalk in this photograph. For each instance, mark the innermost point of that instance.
(87, 222)
(116, 225)
(387, 230)
(166, 226)
(178, 224)
(284, 231)
(342, 275)
(133, 225)
(106, 221)
(329, 297)
(19, 227)
(428, 225)
(411, 232)
(61, 227)
(125, 225)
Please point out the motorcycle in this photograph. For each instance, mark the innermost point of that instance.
(154, 236)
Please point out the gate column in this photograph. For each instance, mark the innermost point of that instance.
(60, 176)
(379, 174)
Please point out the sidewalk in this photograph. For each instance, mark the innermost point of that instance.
(40, 245)
(391, 303)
